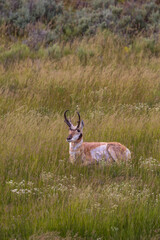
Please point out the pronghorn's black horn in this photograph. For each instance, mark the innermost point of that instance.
(66, 120)
(79, 120)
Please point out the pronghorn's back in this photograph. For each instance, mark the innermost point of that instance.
(93, 152)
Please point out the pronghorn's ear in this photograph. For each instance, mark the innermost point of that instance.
(82, 125)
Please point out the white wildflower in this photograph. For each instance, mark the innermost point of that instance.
(14, 190)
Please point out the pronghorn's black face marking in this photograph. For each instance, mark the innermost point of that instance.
(80, 136)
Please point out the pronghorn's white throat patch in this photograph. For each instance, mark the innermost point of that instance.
(75, 146)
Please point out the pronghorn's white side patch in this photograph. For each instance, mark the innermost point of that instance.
(100, 153)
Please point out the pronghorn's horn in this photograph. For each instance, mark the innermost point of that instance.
(66, 120)
(79, 120)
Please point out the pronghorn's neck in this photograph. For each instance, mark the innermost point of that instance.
(75, 146)
(75, 150)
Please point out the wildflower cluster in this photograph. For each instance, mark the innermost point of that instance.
(139, 108)
(23, 188)
(149, 163)
(51, 185)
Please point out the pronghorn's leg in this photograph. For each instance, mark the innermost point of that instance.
(85, 163)
(112, 153)
(88, 160)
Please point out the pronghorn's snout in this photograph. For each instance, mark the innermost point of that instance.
(69, 138)
(74, 135)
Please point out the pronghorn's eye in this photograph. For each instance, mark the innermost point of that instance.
(78, 130)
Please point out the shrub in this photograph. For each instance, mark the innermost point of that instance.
(102, 4)
(55, 51)
(82, 55)
(58, 22)
(16, 52)
(39, 35)
(18, 14)
(147, 46)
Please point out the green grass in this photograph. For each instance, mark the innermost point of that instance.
(117, 92)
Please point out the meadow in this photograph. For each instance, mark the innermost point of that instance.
(116, 89)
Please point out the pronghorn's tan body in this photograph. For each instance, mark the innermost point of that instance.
(93, 152)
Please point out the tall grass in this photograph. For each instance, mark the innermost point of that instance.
(117, 92)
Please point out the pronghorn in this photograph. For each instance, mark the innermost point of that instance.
(92, 152)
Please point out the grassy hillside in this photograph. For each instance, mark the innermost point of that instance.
(116, 89)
